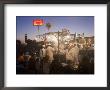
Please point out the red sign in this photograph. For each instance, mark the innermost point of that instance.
(38, 22)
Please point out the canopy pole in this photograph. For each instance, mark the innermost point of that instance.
(58, 46)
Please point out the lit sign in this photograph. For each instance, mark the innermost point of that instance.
(38, 22)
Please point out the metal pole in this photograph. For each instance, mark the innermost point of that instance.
(38, 28)
(58, 45)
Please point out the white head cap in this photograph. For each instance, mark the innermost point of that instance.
(43, 45)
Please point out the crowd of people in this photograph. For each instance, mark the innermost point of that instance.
(48, 59)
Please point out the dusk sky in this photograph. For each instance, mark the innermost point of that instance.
(78, 24)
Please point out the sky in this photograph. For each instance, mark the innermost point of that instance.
(78, 24)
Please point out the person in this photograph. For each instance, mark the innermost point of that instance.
(49, 53)
(61, 53)
(42, 52)
(76, 55)
(72, 55)
(48, 59)
(42, 58)
(27, 56)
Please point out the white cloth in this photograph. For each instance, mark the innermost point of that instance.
(72, 54)
(49, 52)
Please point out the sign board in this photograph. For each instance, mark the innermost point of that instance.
(38, 22)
